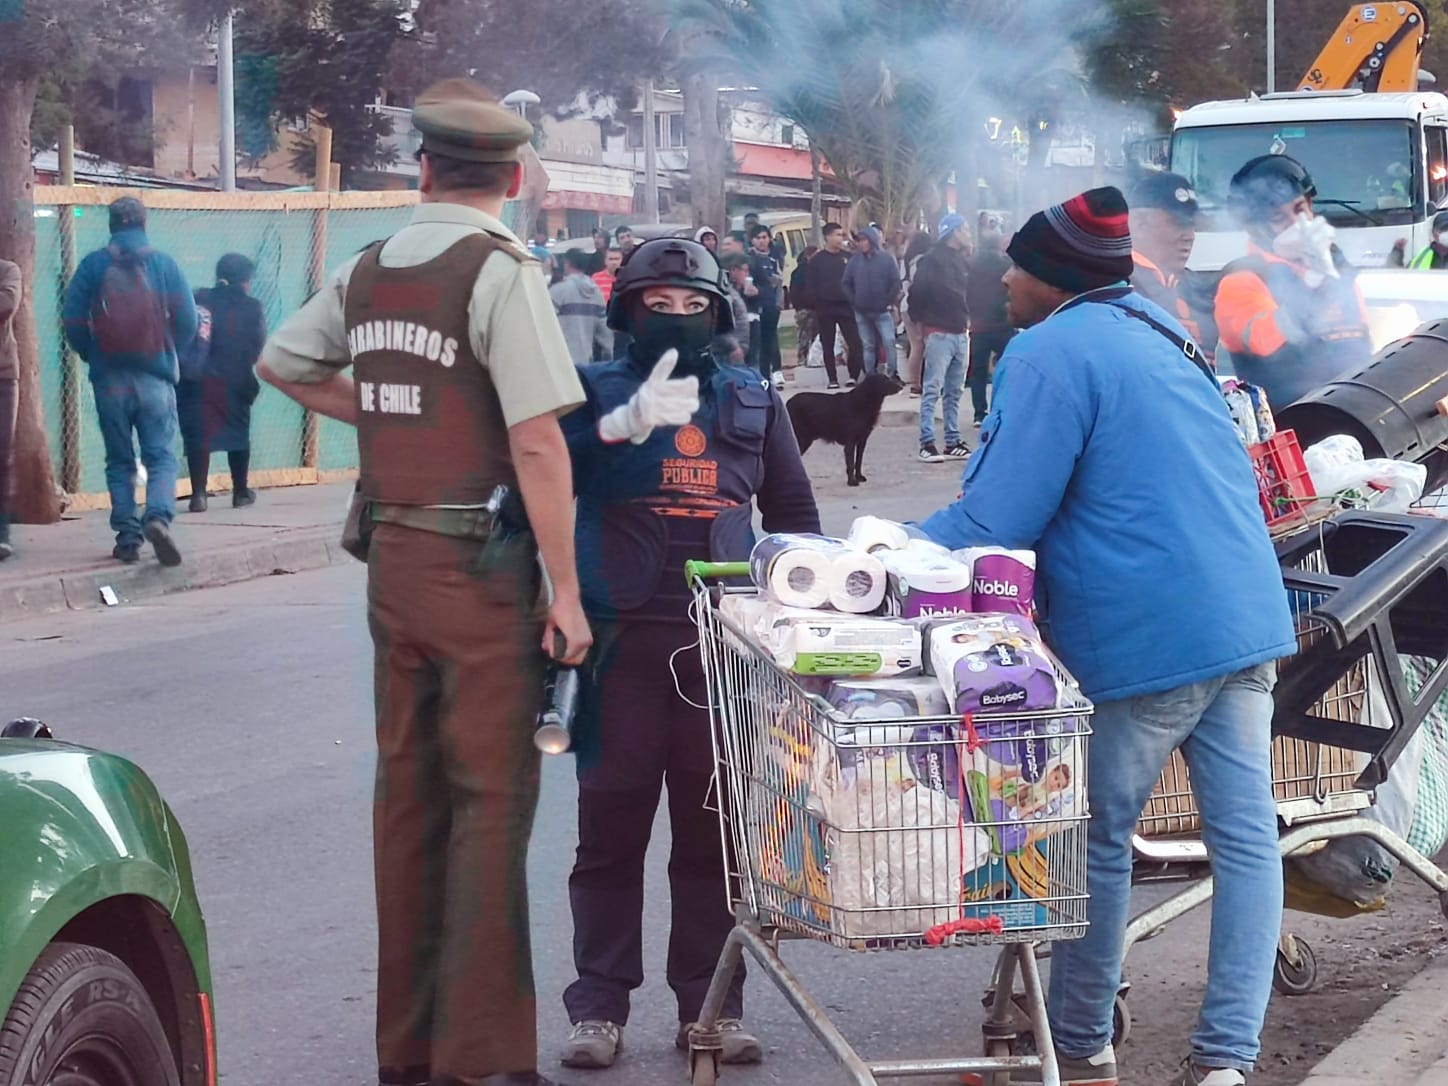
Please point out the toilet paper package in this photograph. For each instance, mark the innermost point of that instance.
(1003, 581)
(825, 643)
(872, 534)
(805, 570)
(920, 584)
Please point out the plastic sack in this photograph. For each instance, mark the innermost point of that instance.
(1337, 467)
(816, 357)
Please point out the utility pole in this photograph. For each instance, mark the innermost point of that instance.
(1271, 46)
(651, 155)
(226, 90)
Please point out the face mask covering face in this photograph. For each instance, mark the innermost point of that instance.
(1308, 242)
(690, 334)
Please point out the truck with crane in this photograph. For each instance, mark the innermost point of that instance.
(1376, 145)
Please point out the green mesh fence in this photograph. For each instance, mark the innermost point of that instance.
(284, 234)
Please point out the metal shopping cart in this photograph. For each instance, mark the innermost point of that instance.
(1369, 593)
(888, 834)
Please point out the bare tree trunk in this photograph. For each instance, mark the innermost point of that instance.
(708, 149)
(816, 197)
(36, 499)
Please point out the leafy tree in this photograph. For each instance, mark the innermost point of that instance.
(56, 39)
(327, 56)
(559, 49)
(891, 92)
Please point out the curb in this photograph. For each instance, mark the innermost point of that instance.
(1405, 1042)
(80, 590)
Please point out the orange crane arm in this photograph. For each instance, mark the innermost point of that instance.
(1376, 47)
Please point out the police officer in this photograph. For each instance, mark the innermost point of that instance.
(669, 455)
(1290, 313)
(1163, 218)
(461, 372)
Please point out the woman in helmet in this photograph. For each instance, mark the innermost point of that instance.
(1290, 312)
(670, 453)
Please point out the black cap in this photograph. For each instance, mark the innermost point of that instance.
(1165, 192)
(1267, 182)
(1440, 222)
(126, 213)
(670, 262)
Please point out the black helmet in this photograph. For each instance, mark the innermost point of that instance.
(670, 262)
(1440, 222)
(1267, 182)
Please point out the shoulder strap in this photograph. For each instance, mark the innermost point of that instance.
(1186, 346)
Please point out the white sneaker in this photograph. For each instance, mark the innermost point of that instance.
(1216, 1076)
(592, 1044)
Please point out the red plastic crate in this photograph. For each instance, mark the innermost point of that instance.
(1283, 482)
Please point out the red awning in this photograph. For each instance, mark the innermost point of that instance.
(762, 160)
(570, 200)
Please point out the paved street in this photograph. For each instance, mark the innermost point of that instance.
(250, 706)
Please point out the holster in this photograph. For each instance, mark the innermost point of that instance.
(358, 527)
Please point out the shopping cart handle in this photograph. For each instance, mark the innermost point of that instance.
(714, 571)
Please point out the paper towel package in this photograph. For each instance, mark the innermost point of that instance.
(874, 534)
(1004, 581)
(816, 571)
(921, 585)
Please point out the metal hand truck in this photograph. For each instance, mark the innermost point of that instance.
(888, 834)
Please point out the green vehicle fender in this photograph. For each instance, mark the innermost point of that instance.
(83, 827)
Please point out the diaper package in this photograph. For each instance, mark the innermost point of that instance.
(816, 571)
(1003, 581)
(992, 664)
(920, 584)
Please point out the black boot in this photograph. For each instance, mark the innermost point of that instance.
(6, 550)
(241, 495)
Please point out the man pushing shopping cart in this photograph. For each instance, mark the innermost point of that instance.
(1110, 453)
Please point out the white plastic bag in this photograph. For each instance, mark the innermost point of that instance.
(1334, 463)
(1337, 467)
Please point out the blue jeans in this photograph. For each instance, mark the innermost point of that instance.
(128, 401)
(944, 363)
(877, 334)
(1223, 727)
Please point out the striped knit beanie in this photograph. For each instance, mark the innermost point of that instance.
(1077, 246)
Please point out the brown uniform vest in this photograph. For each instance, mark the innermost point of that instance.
(430, 428)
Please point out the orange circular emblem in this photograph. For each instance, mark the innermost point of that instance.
(690, 441)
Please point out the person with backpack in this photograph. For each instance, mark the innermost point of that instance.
(128, 312)
(218, 380)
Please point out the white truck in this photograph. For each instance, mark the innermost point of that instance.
(1380, 162)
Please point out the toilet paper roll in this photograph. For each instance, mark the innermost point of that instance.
(857, 583)
(795, 570)
(871, 534)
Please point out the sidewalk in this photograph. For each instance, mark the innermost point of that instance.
(60, 567)
(1405, 1043)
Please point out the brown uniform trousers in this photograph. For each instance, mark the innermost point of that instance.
(457, 628)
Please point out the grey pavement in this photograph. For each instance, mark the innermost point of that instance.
(250, 705)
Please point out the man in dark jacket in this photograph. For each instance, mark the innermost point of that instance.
(990, 328)
(872, 284)
(10, 295)
(938, 305)
(127, 312)
(825, 284)
(768, 276)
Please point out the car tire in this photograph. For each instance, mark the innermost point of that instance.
(82, 1017)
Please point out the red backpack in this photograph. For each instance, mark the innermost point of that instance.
(128, 317)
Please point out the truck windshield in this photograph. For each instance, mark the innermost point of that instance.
(1363, 169)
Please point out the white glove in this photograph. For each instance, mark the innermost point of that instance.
(662, 401)
(1308, 242)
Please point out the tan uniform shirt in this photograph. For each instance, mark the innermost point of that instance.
(514, 330)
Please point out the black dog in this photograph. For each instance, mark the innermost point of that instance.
(843, 418)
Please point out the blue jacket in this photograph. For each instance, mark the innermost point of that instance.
(686, 492)
(872, 282)
(166, 280)
(1114, 457)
